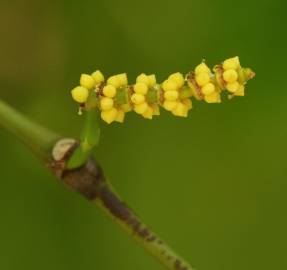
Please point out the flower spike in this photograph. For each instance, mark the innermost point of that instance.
(115, 97)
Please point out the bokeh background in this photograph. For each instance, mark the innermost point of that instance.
(212, 185)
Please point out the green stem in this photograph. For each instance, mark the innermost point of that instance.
(37, 138)
(112, 204)
(90, 182)
(89, 139)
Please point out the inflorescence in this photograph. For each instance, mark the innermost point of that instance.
(115, 97)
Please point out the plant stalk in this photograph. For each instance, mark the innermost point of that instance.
(88, 180)
(142, 234)
(89, 139)
(39, 139)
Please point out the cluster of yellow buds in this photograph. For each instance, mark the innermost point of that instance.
(232, 77)
(203, 84)
(81, 93)
(111, 110)
(172, 99)
(141, 98)
(115, 97)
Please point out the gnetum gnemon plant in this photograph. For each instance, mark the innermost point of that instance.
(70, 159)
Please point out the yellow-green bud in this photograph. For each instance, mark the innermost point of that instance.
(137, 98)
(114, 80)
(140, 88)
(231, 63)
(177, 78)
(141, 108)
(230, 76)
(169, 85)
(232, 87)
(180, 110)
(106, 103)
(87, 81)
(213, 98)
(169, 105)
(110, 115)
(109, 91)
(240, 91)
(80, 94)
(151, 80)
(202, 79)
(202, 68)
(123, 79)
(98, 77)
(143, 78)
(171, 95)
(208, 89)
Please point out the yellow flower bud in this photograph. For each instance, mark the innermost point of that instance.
(151, 80)
(106, 103)
(140, 108)
(231, 63)
(98, 77)
(202, 79)
(126, 107)
(171, 95)
(143, 78)
(120, 116)
(169, 105)
(202, 68)
(148, 113)
(232, 87)
(110, 115)
(240, 91)
(114, 80)
(87, 81)
(140, 88)
(177, 78)
(169, 85)
(180, 110)
(208, 89)
(137, 98)
(109, 91)
(213, 98)
(80, 94)
(230, 75)
(187, 102)
(123, 79)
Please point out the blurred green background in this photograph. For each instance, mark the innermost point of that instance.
(213, 185)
